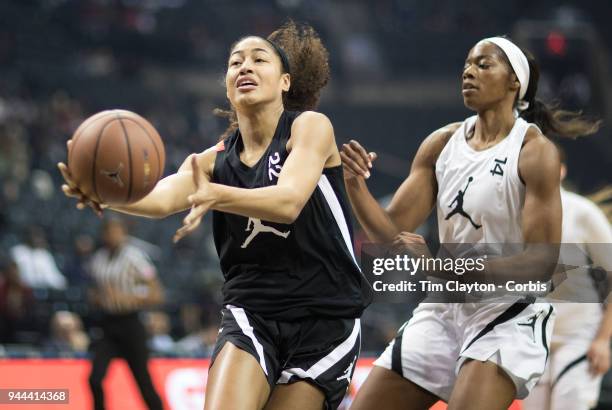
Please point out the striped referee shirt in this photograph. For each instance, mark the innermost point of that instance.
(125, 271)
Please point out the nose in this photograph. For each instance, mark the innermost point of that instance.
(246, 67)
(467, 73)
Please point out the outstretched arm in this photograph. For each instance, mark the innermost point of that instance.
(412, 202)
(168, 197)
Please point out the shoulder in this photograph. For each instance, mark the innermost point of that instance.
(99, 255)
(442, 135)
(311, 118)
(134, 253)
(312, 127)
(435, 142)
(131, 250)
(538, 148)
(538, 157)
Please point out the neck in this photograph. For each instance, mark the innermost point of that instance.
(113, 249)
(257, 126)
(494, 123)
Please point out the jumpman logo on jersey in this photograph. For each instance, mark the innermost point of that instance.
(114, 175)
(347, 372)
(459, 208)
(256, 227)
(531, 323)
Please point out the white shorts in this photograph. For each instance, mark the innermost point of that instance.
(567, 383)
(433, 345)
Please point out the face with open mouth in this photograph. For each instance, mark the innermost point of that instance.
(487, 77)
(254, 74)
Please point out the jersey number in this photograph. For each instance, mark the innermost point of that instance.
(497, 169)
(273, 167)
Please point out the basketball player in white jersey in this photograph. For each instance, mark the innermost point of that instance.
(494, 178)
(580, 345)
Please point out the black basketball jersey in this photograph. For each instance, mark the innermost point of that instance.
(287, 271)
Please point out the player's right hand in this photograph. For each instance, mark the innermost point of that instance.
(201, 201)
(70, 189)
(356, 161)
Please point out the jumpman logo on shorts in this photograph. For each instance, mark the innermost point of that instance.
(256, 227)
(347, 373)
(531, 323)
(459, 208)
(114, 175)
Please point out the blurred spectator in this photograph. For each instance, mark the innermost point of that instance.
(14, 156)
(36, 264)
(75, 270)
(67, 334)
(200, 343)
(15, 301)
(198, 339)
(158, 327)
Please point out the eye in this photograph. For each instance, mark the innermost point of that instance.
(234, 63)
(259, 60)
(484, 66)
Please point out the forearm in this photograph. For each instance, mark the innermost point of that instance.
(605, 328)
(275, 203)
(372, 217)
(168, 197)
(536, 263)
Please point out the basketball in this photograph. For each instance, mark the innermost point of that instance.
(116, 157)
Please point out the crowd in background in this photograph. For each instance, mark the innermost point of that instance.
(62, 60)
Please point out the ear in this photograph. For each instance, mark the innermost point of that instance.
(515, 84)
(286, 82)
(563, 172)
(226, 87)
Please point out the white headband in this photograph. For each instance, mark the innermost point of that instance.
(519, 64)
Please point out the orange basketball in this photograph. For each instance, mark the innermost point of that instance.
(116, 157)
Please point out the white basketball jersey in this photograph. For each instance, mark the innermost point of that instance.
(480, 194)
(587, 228)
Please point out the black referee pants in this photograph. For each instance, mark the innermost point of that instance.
(124, 336)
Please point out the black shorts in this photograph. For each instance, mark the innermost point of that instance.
(320, 351)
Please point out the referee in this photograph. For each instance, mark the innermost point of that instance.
(124, 281)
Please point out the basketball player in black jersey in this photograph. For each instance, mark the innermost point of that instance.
(293, 292)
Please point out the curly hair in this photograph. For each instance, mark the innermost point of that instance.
(309, 69)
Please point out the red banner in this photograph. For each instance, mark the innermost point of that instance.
(180, 382)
